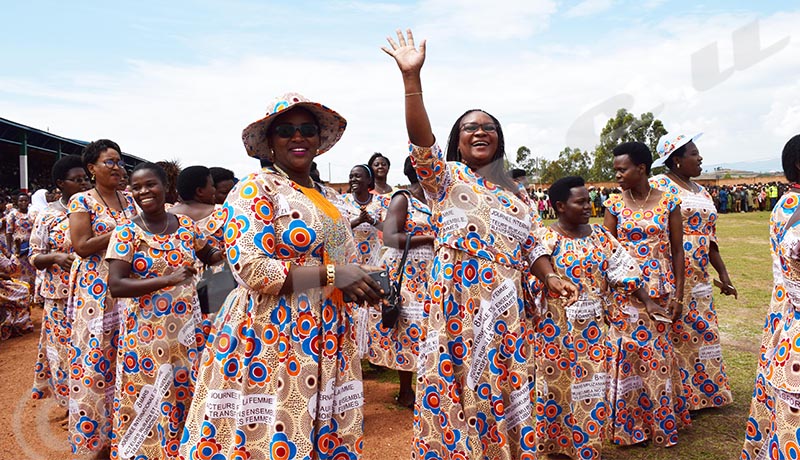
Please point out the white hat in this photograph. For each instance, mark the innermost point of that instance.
(668, 144)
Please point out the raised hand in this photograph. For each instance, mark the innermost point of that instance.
(409, 59)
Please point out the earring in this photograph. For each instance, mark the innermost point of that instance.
(92, 177)
(677, 165)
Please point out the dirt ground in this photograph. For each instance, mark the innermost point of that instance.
(32, 430)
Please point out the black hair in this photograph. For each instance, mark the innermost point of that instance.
(638, 152)
(221, 174)
(370, 173)
(93, 150)
(314, 172)
(790, 158)
(378, 155)
(409, 171)
(63, 166)
(496, 171)
(678, 153)
(561, 189)
(156, 169)
(516, 173)
(190, 179)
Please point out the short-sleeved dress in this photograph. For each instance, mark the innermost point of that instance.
(50, 234)
(696, 335)
(758, 427)
(398, 347)
(15, 301)
(279, 377)
(646, 395)
(211, 227)
(160, 342)
(475, 384)
(95, 332)
(19, 226)
(573, 372)
(369, 242)
(783, 369)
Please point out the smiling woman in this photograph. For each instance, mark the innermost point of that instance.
(478, 286)
(283, 352)
(151, 266)
(93, 215)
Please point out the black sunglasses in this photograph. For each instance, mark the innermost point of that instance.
(306, 130)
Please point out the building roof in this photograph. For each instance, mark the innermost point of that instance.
(12, 133)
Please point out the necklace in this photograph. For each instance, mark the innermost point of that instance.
(109, 207)
(688, 185)
(364, 203)
(635, 203)
(146, 227)
(566, 233)
(61, 202)
(284, 174)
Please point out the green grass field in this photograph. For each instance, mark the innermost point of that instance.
(718, 434)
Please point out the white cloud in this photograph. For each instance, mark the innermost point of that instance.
(477, 19)
(196, 113)
(589, 8)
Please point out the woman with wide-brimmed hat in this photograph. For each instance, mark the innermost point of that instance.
(280, 374)
(695, 335)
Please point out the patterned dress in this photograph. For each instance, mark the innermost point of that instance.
(279, 377)
(696, 335)
(475, 385)
(51, 373)
(572, 369)
(758, 428)
(161, 341)
(646, 395)
(783, 370)
(369, 243)
(211, 227)
(19, 226)
(398, 347)
(15, 302)
(369, 240)
(95, 332)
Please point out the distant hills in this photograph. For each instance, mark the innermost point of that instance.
(757, 166)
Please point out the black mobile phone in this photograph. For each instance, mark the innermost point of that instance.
(382, 278)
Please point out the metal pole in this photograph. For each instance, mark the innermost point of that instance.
(23, 164)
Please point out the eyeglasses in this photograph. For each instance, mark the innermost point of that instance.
(79, 180)
(111, 163)
(306, 130)
(472, 127)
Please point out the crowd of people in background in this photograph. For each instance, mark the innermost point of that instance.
(527, 339)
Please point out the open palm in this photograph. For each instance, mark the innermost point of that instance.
(409, 59)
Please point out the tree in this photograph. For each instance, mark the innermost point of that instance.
(570, 162)
(531, 164)
(624, 127)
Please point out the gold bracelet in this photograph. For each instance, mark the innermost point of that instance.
(552, 275)
(418, 93)
(330, 271)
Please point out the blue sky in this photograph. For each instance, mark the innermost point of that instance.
(181, 79)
